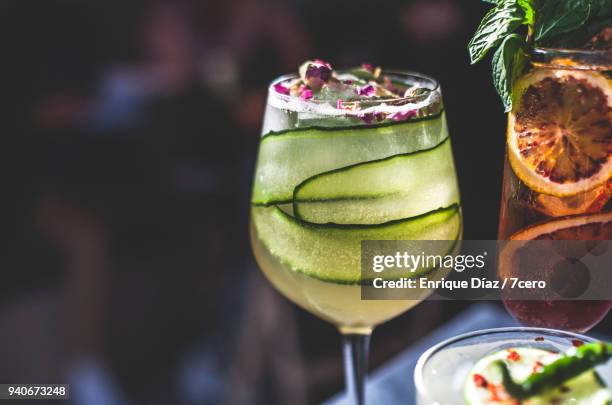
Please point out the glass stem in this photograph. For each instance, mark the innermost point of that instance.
(356, 349)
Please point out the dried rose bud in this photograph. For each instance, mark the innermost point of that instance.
(315, 74)
(322, 62)
(320, 72)
(279, 88)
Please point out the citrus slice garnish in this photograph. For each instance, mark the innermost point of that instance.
(572, 299)
(576, 227)
(560, 131)
(520, 256)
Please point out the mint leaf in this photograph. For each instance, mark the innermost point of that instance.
(508, 63)
(500, 21)
(529, 10)
(557, 23)
(560, 16)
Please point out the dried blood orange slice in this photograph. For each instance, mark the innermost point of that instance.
(576, 227)
(586, 227)
(560, 131)
(551, 251)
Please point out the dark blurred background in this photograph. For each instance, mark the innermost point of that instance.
(131, 130)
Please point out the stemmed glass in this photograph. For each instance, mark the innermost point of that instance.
(331, 174)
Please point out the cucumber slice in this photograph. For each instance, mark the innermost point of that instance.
(401, 186)
(333, 252)
(289, 157)
(585, 389)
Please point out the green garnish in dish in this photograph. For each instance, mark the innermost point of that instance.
(558, 372)
(537, 376)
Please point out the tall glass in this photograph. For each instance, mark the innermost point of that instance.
(330, 175)
(442, 371)
(557, 175)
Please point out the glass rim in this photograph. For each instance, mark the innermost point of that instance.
(568, 51)
(582, 59)
(428, 354)
(399, 73)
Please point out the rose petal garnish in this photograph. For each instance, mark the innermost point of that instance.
(367, 90)
(306, 94)
(279, 88)
(403, 115)
(317, 80)
(368, 118)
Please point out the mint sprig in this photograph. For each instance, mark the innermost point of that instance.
(543, 22)
(501, 20)
(497, 29)
(508, 62)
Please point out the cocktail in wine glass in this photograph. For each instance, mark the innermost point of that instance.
(348, 156)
